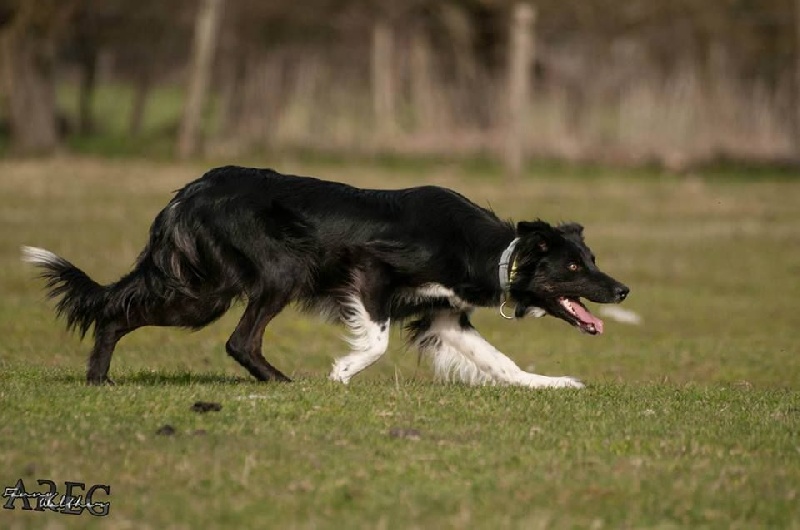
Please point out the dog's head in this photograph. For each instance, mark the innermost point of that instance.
(552, 268)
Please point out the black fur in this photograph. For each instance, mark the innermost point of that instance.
(270, 239)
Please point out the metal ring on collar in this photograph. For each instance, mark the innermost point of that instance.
(502, 314)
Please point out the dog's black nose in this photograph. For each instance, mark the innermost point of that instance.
(621, 291)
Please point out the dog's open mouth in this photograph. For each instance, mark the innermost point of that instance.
(580, 316)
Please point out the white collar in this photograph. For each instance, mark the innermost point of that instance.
(505, 282)
(502, 269)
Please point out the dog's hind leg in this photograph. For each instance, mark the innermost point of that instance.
(105, 340)
(121, 318)
(244, 345)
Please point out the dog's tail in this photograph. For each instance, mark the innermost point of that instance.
(81, 298)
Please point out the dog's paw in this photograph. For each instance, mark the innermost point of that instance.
(542, 381)
(567, 382)
(339, 375)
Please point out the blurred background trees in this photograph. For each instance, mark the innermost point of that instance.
(670, 81)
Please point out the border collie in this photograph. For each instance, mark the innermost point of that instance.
(424, 255)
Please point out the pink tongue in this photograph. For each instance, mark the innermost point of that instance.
(587, 318)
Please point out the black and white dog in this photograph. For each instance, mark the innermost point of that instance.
(424, 255)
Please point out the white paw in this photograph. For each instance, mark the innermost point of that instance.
(566, 382)
(541, 381)
(340, 374)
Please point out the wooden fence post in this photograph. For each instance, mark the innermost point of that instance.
(420, 71)
(383, 87)
(520, 59)
(796, 85)
(205, 42)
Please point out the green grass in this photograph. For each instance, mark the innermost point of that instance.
(689, 420)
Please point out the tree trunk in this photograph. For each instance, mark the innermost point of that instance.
(141, 93)
(28, 71)
(519, 80)
(383, 87)
(205, 42)
(88, 82)
(796, 88)
(232, 92)
(422, 90)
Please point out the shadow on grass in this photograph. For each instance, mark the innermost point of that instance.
(147, 378)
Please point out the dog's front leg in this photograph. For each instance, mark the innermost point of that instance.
(368, 340)
(459, 349)
(498, 366)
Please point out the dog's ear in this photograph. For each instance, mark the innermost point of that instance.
(538, 231)
(529, 227)
(573, 230)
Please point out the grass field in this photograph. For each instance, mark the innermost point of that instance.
(690, 420)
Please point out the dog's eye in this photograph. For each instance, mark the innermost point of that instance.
(573, 267)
